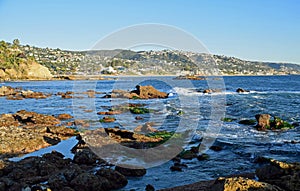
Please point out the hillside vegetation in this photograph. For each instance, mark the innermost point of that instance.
(128, 62)
(16, 65)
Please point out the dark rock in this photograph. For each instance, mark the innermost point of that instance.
(215, 148)
(85, 156)
(188, 154)
(134, 171)
(176, 168)
(149, 187)
(138, 118)
(281, 174)
(116, 179)
(89, 182)
(241, 90)
(247, 122)
(2, 186)
(203, 157)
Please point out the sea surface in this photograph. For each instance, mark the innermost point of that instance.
(202, 113)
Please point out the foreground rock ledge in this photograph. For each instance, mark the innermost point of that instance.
(25, 132)
(275, 176)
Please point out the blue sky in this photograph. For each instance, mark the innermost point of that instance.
(265, 30)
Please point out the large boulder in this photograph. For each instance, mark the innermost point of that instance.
(242, 184)
(263, 121)
(116, 179)
(133, 171)
(282, 174)
(148, 92)
(89, 182)
(141, 92)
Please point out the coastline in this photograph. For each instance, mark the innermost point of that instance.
(114, 77)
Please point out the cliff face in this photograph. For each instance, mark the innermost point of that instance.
(15, 65)
(28, 71)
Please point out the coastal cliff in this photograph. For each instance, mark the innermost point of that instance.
(16, 65)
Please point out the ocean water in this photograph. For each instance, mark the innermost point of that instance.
(276, 95)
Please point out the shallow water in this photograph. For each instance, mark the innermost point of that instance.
(277, 95)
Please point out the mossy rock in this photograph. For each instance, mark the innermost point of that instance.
(107, 119)
(278, 123)
(187, 154)
(139, 110)
(248, 122)
(165, 135)
(203, 157)
(227, 119)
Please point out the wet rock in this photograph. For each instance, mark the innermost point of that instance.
(208, 91)
(2, 186)
(149, 187)
(242, 184)
(64, 116)
(247, 122)
(282, 174)
(145, 129)
(25, 132)
(148, 92)
(34, 95)
(188, 155)
(81, 122)
(85, 156)
(241, 90)
(138, 118)
(107, 119)
(141, 92)
(116, 179)
(134, 171)
(89, 182)
(109, 112)
(203, 157)
(215, 148)
(263, 121)
(7, 90)
(176, 168)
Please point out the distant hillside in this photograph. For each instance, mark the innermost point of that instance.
(16, 65)
(127, 62)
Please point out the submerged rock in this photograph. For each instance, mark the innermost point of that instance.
(241, 90)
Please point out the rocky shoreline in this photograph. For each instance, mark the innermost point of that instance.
(26, 131)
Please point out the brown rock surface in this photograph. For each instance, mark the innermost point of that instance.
(141, 92)
(263, 121)
(25, 132)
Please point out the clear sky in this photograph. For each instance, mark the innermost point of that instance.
(264, 30)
